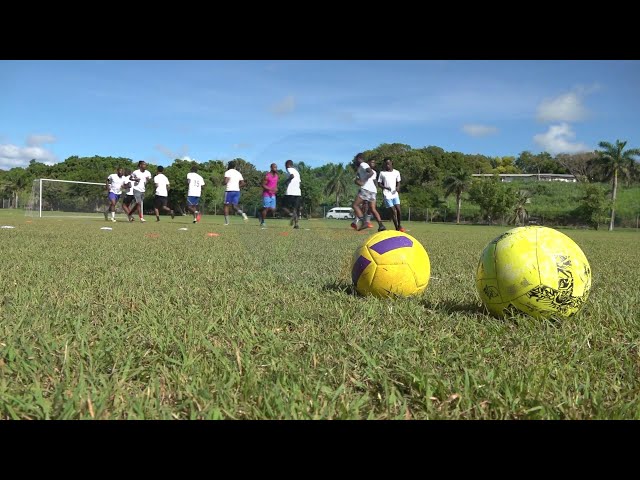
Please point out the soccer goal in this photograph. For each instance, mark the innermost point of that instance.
(66, 198)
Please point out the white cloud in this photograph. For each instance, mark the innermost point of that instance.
(172, 155)
(479, 130)
(567, 107)
(558, 140)
(15, 156)
(188, 158)
(36, 140)
(166, 151)
(286, 105)
(587, 89)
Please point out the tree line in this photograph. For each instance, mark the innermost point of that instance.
(431, 177)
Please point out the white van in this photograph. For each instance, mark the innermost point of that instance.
(341, 213)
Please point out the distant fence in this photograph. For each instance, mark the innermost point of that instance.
(551, 218)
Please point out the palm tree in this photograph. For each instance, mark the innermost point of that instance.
(614, 161)
(339, 182)
(457, 182)
(520, 213)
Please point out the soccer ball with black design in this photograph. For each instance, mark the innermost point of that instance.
(391, 264)
(535, 270)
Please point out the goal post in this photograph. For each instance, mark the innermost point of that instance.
(66, 198)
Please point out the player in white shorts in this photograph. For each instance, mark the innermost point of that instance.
(389, 180)
(368, 190)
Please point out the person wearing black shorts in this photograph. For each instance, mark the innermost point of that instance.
(293, 194)
(162, 194)
(129, 197)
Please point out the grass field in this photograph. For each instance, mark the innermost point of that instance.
(148, 321)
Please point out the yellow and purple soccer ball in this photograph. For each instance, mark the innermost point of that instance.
(391, 264)
(535, 270)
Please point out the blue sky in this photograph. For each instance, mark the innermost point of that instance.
(312, 111)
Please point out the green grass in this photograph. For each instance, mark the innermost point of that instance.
(146, 321)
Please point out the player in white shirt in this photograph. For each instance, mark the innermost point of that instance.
(114, 185)
(127, 190)
(162, 194)
(367, 193)
(365, 205)
(141, 177)
(233, 180)
(195, 183)
(389, 181)
(293, 195)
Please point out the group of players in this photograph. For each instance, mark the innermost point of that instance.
(369, 180)
(132, 185)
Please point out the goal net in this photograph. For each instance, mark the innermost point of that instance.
(66, 198)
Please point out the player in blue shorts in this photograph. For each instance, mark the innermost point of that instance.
(195, 183)
(233, 181)
(269, 189)
(114, 185)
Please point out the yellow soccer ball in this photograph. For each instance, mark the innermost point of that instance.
(390, 264)
(535, 270)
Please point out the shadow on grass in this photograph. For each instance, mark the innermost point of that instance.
(452, 306)
(341, 287)
(512, 315)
